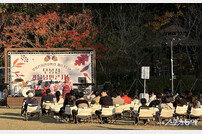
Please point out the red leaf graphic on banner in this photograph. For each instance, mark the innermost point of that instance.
(20, 63)
(15, 61)
(81, 60)
(85, 68)
(18, 66)
(17, 72)
(86, 75)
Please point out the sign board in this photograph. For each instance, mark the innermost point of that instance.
(145, 72)
(49, 66)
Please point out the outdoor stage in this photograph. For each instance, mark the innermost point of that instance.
(25, 66)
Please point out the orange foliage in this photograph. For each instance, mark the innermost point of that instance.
(51, 30)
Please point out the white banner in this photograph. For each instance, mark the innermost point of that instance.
(50, 66)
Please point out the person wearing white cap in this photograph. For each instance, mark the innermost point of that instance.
(29, 100)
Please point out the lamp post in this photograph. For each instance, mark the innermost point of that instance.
(171, 60)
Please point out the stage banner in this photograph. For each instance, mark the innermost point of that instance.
(48, 66)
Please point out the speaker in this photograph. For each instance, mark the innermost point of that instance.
(82, 80)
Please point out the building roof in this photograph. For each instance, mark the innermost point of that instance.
(174, 28)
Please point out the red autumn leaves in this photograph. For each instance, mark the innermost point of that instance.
(51, 30)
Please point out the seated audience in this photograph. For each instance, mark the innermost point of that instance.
(167, 103)
(105, 101)
(80, 103)
(70, 99)
(117, 99)
(127, 100)
(46, 98)
(179, 101)
(96, 99)
(58, 98)
(136, 101)
(143, 105)
(29, 100)
(195, 102)
(156, 102)
(152, 97)
(189, 97)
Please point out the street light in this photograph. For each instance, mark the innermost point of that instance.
(171, 60)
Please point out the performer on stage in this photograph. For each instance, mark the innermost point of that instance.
(67, 86)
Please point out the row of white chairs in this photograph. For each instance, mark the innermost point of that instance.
(150, 112)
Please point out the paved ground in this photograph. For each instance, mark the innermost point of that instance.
(10, 119)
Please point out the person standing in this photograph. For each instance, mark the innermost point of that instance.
(67, 86)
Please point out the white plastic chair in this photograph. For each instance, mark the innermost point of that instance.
(108, 113)
(32, 109)
(84, 113)
(166, 114)
(47, 105)
(196, 112)
(119, 109)
(145, 114)
(181, 111)
(55, 107)
(95, 107)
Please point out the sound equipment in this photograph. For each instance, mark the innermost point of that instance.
(82, 80)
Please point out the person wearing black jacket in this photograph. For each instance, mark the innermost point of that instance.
(80, 103)
(156, 103)
(48, 97)
(105, 101)
(143, 102)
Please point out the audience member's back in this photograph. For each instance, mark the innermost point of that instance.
(143, 104)
(156, 102)
(81, 102)
(105, 100)
(117, 99)
(48, 97)
(166, 103)
(127, 100)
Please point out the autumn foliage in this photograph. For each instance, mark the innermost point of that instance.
(51, 30)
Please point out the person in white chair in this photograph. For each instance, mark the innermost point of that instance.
(29, 100)
(152, 97)
(58, 100)
(105, 101)
(80, 103)
(116, 97)
(143, 105)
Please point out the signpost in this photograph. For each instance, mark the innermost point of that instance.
(145, 73)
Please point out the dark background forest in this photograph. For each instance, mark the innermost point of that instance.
(132, 36)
